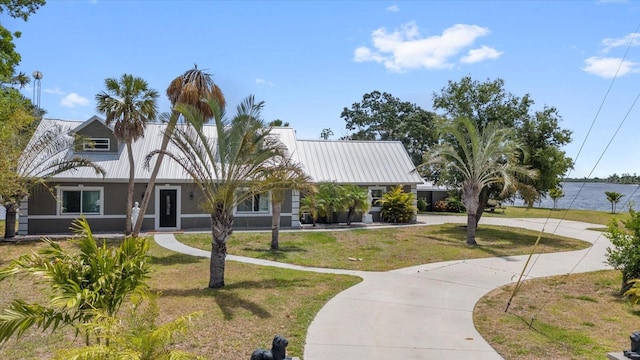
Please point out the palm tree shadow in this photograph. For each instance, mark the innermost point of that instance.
(230, 298)
(174, 259)
(275, 255)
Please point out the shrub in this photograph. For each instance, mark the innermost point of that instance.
(440, 206)
(625, 253)
(397, 206)
(422, 205)
(454, 205)
(98, 278)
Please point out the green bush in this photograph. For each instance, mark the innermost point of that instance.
(422, 205)
(625, 253)
(455, 205)
(397, 206)
(98, 278)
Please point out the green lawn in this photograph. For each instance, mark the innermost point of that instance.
(590, 216)
(256, 303)
(386, 248)
(259, 302)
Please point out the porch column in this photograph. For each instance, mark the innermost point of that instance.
(295, 209)
(23, 217)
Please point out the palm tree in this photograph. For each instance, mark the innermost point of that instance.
(481, 158)
(96, 278)
(130, 104)
(329, 200)
(43, 157)
(614, 199)
(555, 194)
(189, 88)
(288, 176)
(308, 205)
(356, 200)
(228, 168)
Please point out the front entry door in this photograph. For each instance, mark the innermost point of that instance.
(168, 208)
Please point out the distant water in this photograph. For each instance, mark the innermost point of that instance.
(590, 196)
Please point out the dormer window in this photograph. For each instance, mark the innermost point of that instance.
(96, 144)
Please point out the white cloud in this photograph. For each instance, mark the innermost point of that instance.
(481, 54)
(406, 49)
(632, 39)
(56, 91)
(607, 67)
(260, 81)
(73, 100)
(393, 8)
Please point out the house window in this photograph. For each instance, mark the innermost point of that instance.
(376, 194)
(258, 203)
(80, 200)
(96, 144)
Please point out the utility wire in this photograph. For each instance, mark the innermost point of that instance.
(519, 282)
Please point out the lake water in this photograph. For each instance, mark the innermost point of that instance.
(590, 196)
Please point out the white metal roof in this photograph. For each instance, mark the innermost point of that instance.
(359, 162)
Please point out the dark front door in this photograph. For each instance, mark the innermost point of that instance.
(168, 208)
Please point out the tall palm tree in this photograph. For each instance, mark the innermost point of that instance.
(129, 104)
(482, 158)
(189, 88)
(228, 168)
(286, 176)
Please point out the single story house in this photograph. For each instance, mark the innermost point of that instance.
(376, 165)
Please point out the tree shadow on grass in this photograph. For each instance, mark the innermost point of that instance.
(275, 255)
(499, 242)
(174, 259)
(229, 300)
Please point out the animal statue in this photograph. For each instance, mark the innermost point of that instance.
(278, 350)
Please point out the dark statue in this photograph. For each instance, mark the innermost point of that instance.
(634, 353)
(278, 350)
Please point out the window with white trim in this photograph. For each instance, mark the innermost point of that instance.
(80, 200)
(96, 144)
(376, 194)
(257, 203)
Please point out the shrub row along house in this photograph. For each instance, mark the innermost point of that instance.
(376, 165)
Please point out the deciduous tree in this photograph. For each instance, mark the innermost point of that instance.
(537, 131)
(381, 116)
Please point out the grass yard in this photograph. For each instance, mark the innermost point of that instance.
(579, 316)
(590, 216)
(256, 304)
(386, 248)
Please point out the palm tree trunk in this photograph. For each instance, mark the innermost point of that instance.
(173, 120)
(221, 230)
(483, 200)
(275, 226)
(132, 175)
(471, 228)
(350, 213)
(471, 198)
(10, 220)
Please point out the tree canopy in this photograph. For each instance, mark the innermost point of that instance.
(537, 130)
(381, 116)
(18, 9)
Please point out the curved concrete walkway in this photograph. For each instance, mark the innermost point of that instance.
(426, 311)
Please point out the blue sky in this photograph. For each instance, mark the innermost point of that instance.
(309, 60)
